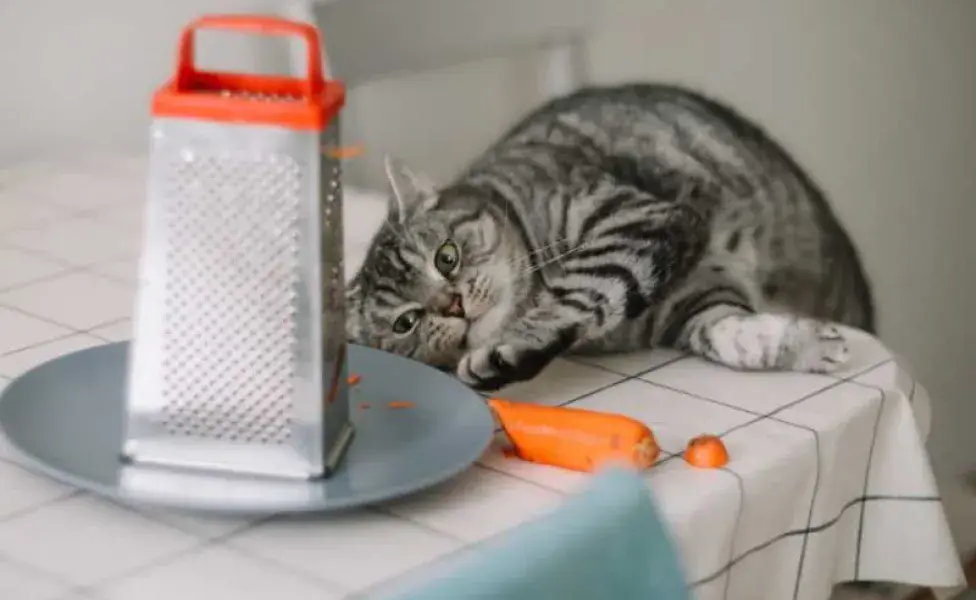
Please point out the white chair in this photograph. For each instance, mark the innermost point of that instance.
(371, 39)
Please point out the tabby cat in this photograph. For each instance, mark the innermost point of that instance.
(607, 220)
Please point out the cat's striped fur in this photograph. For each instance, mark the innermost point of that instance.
(608, 220)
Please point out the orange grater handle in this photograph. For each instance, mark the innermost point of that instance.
(253, 24)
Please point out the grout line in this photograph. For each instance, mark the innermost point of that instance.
(837, 383)
(852, 376)
(206, 543)
(813, 529)
(40, 318)
(762, 416)
(68, 270)
(666, 363)
(91, 270)
(29, 510)
(222, 541)
(867, 478)
(624, 379)
(11, 245)
(816, 485)
(103, 325)
(522, 479)
(38, 572)
(381, 509)
(38, 345)
(43, 223)
(735, 529)
(862, 500)
(73, 330)
(813, 504)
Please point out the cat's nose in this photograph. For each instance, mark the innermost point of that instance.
(455, 307)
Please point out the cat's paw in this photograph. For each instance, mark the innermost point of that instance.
(493, 367)
(818, 348)
(774, 341)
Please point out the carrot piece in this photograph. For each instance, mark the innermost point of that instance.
(364, 405)
(353, 379)
(574, 438)
(345, 152)
(400, 404)
(706, 452)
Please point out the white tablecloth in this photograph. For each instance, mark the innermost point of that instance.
(828, 479)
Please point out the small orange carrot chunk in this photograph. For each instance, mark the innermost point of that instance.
(574, 438)
(353, 379)
(345, 152)
(707, 452)
(400, 404)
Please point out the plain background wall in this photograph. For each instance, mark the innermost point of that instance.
(877, 98)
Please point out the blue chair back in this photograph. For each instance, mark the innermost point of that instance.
(606, 542)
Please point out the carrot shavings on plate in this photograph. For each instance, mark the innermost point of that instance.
(353, 379)
(400, 404)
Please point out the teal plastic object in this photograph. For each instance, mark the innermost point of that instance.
(607, 542)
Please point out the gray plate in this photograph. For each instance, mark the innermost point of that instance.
(66, 417)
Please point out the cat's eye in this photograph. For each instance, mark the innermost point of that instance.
(407, 321)
(447, 257)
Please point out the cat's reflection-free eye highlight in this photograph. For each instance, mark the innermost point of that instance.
(447, 258)
(407, 321)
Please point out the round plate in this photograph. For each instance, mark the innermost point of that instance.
(67, 417)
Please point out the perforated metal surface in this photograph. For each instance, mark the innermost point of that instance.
(231, 269)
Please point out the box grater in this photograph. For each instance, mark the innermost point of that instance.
(238, 362)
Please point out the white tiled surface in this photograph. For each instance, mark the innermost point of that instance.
(68, 251)
(217, 572)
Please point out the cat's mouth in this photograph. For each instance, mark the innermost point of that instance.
(456, 308)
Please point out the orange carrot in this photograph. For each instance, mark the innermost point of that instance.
(574, 438)
(353, 379)
(346, 152)
(400, 404)
(706, 452)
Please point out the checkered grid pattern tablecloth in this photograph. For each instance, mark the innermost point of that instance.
(828, 479)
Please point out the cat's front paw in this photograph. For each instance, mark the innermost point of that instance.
(774, 342)
(493, 367)
(819, 347)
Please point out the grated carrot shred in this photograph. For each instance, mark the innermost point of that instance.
(345, 152)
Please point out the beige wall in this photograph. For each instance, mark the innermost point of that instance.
(876, 97)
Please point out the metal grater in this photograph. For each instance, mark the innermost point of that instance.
(239, 355)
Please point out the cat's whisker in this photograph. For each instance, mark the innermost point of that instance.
(554, 259)
(526, 260)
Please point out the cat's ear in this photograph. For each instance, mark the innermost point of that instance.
(408, 189)
(354, 321)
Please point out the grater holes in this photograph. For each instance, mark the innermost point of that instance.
(230, 298)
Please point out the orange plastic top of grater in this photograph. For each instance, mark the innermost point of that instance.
(308, 103)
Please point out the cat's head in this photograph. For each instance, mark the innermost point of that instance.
(438, 271)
